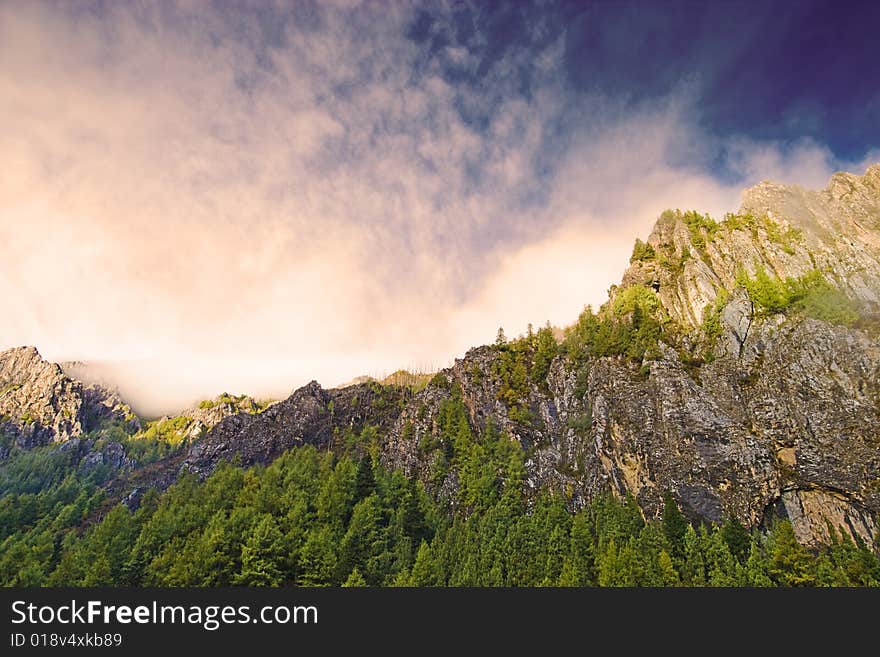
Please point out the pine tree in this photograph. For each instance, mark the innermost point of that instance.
(737, 538)
(609, 568)
(365, 484)
(544, 354)
(756, 567)
(318, 557)
(363, 539)
(413, 520)
(789, 560)
(261, 555)
(693, 569)
(425, 570)
(667, 569)
(674, 525)
(355, 579)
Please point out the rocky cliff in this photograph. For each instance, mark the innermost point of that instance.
(736, 366)
(787, 230)
(40, 404)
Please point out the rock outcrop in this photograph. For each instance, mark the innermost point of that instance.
(787, 230)
(40, 404)
(311, 415)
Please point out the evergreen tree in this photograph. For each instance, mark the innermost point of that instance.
(365, 484)
(363, 540)
(674, 525)
(318, 557)
(262, 555)
(693, 569)
(413, 520)
(667, 569)
(610, 572)
(355, 579)
(789, 560)
(737, 538)
(426, 570)
(756, 567)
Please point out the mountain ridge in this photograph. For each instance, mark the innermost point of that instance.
(735, 367)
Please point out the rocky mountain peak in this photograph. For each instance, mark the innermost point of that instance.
(40, 404)
(784, 230)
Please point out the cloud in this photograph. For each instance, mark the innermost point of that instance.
(244, 201)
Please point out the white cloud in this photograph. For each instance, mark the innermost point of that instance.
(222, 216)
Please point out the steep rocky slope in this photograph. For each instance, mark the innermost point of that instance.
(788, 230)
(781, 419)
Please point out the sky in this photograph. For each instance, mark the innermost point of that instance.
(244, 196)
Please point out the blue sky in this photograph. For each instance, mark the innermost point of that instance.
(777, 70)
(250, 195)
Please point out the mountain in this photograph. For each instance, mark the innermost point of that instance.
(738, 407)
(734, 373)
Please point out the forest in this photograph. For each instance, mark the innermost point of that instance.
(319, 518)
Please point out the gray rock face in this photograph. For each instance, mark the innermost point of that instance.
(311, 415)
(789, 424)
(40, 404)
(836, 230)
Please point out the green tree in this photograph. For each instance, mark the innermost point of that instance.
(355, 579)
(667, 569)
(737, 538)
(426, 570)
(365, 484)
(318, 558)
(674, 525)
(363, 540)
(789, 561)
(262, 555)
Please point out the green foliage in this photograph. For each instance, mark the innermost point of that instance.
(413, 382)
(769, 294)
(523, 362)
(318, 518)
(632, 328)
(169, 430)
(580, 424)
(702, 229)
(674, 525)
(829, 304)
(301, 521)
(673, 264)
(790, 564)
(811, 295)
(355, 579)
(439, 380)
(636, 296)
(737, 538)
(786, 238)
(711, 326)
(642, 252)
